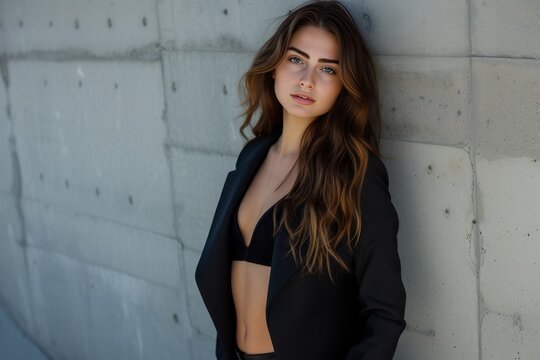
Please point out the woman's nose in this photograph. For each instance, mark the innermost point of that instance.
(307, 84)
(307, 80)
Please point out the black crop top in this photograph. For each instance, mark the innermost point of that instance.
(261, 245)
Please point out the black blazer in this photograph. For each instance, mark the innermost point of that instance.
(308, 317)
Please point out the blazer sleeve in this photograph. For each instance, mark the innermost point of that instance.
(377, 268)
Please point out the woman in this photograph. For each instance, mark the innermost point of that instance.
(301, 259)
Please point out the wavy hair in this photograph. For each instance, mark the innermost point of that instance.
(333, 154)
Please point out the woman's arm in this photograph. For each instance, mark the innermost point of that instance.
(381, 294)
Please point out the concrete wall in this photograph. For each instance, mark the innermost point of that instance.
(118, 123)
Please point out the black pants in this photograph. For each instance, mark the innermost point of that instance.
(240, 355)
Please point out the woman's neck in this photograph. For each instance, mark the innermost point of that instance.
(288, 144)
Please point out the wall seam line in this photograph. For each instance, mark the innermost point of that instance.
(475, 196)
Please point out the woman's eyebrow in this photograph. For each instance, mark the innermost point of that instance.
(323, 60)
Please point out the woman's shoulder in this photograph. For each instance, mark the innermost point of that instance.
(253, 143)
(248, 145)
(247, 149)
(376, 169)
(375, 200)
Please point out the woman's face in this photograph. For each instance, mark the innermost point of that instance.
(306, 80)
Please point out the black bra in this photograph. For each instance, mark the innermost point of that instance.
(261, 246)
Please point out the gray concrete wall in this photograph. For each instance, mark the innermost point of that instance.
(118, 123)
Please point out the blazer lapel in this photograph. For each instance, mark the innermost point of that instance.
(283, 265)
(236, 184)
(213, 270)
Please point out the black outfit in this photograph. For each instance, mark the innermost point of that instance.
(309, 317)
(261, 244)
(240, 355)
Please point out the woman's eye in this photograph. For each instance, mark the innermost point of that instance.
(295, 60)
(328, 70)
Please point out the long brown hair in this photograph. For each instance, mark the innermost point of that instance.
(334, 147)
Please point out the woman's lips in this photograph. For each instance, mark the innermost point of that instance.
(302, 99)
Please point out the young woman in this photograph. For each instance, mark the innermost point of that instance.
(301, 259)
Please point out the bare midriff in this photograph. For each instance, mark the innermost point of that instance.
(249, 283)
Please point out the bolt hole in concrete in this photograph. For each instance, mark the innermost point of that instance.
(131, 199)
(144, 21)
(77, 24)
